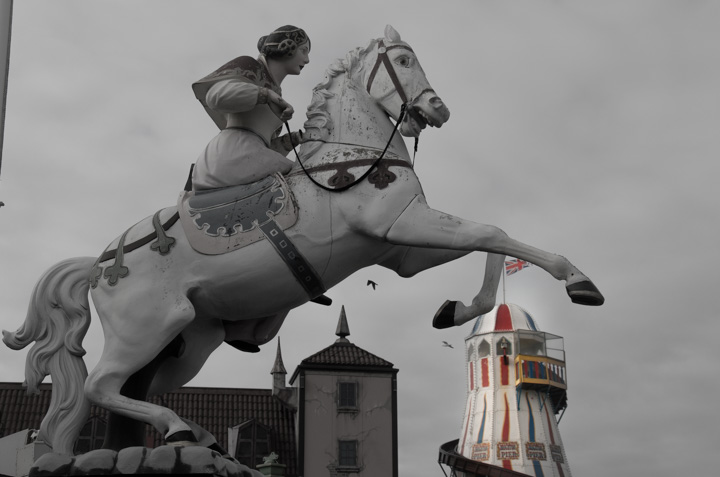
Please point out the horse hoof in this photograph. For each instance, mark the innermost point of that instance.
(244, 346)
(181, 438)
(445, 316)
(585, 293)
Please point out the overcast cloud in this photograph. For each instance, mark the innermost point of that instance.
(585, 128)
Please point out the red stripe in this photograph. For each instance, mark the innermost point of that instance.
(472, 376)
(504, 371)
(503, 320)
(485, 378)
(506, 431)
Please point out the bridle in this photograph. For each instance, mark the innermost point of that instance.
(382, 59)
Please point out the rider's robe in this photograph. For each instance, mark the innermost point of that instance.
(245, 150)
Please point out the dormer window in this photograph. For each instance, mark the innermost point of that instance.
(91, 437)
(254, 441)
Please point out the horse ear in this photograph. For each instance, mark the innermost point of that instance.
(391, 34)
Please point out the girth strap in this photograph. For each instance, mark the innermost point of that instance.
(298, 265)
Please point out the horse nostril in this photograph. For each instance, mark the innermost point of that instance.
(436, 102)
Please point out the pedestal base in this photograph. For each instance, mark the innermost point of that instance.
(142, 460)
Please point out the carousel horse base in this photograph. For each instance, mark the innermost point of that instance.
(168, 460)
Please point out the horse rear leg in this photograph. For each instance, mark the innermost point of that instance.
(125, 355)
(173, 367)
(122, 431)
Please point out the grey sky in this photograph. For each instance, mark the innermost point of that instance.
(585, 128)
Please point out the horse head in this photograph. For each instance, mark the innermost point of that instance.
(394, 77)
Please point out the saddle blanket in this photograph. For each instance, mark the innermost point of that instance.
(218, 221)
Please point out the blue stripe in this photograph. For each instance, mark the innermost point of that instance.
(482, 426)
(529, 320)
(531, 430)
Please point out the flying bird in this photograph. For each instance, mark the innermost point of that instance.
(371, 283)
(448, 345)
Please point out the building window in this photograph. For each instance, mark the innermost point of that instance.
(91, 437)
(347, 395)
(254, 441)
(347, 454)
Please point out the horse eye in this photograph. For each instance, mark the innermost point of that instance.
(403, 61)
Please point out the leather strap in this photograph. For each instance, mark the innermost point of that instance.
(298, 265)
(385, 60)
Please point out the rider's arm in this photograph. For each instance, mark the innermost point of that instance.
(284, 144)
(234, 96)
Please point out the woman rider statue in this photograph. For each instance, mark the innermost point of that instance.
(244, 99)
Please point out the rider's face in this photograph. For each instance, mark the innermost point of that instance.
(297, 62)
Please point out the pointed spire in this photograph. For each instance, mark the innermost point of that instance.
(343, 329)
(278, 367)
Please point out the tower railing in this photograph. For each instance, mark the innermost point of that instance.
(542, 370)
(544, 375)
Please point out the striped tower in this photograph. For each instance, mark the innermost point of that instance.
(516, 387)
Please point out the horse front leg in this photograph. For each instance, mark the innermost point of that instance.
(421, 226)
(452, 313)
(455, 313)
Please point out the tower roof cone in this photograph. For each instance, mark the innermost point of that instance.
(278, 367)
(343, 330)
(504, 317)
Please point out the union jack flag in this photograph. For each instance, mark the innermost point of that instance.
(515, 265)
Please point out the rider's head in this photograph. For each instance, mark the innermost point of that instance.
(283, 42)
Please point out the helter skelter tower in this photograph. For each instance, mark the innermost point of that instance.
(516, 386)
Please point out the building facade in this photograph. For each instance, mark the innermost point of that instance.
(338, 417)
(347, 411)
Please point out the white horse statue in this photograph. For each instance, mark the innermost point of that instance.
(165, 306)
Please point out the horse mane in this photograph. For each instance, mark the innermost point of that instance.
(319, 124)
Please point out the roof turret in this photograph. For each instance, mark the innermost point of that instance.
(504, 317)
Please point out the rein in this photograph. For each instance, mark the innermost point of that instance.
(361, 178)
(382, 59)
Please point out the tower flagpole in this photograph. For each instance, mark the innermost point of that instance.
(504, 272)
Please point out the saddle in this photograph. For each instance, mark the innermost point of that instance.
(218, 221)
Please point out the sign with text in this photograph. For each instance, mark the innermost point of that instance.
(481, 451)
(508, 450)
(535, 451)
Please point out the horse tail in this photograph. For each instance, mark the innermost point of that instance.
(58, 318)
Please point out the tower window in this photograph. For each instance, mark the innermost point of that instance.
(347, 453)
(504, 347)
(483, 349)
(347, 395)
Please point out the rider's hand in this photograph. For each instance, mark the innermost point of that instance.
(279, 106)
